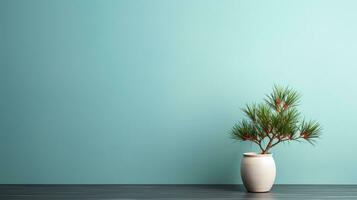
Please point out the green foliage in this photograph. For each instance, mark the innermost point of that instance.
(274, 121)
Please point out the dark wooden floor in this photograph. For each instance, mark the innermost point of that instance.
(196, 192)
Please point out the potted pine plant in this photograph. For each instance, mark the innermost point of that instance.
(268, 124)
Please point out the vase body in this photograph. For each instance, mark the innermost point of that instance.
(258, 172)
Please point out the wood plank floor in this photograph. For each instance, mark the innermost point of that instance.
(61, 192)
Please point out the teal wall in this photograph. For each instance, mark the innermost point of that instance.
(147, 91)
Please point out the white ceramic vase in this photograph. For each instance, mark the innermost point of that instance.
(258, 172)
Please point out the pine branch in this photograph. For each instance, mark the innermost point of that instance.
(276, 119)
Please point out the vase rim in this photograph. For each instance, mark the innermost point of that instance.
(254, 154)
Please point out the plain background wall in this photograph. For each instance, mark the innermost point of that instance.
(147, 91)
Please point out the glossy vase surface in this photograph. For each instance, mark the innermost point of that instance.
(258, 172)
